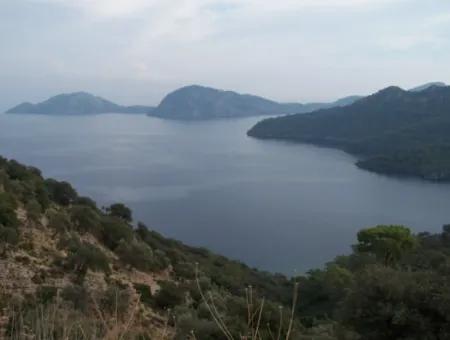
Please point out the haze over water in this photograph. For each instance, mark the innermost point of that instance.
(274, 205)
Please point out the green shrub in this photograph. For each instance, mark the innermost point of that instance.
(136, 254)
(203, 329)
(8, 217)
(145, 293)
(69, 241)
(59, 220)
(86, 201)
(87, 256)
(120, 210)
(160, 260)
(17, 171)
(9, 235)
(33, 209)
(41, 195)
(60, 192)
(85, 219)
(169, 295)
(114, 230)
(386, 303)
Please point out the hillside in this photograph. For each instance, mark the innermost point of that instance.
(60, 253)
(69, 270)
(197, 102)
(392, 131)
(78, 103)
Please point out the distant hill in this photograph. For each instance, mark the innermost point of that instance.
(198, 102)
(78, 103)
(393, 131)
(426, 86)
(310, 107)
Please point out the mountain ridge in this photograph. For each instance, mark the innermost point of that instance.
(76, 103)
(196, 102)
(393, 131)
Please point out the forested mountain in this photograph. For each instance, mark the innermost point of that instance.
(427, 85)
(70, 270)
(310, 107)
(77, 103)
(198, 102)
(392, 131)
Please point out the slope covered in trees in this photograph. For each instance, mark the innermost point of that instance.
(71, 270)
(393, 131)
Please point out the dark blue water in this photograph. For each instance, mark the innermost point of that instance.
(273, 205)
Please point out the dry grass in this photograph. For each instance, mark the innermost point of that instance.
(58, 321)
(254, 314)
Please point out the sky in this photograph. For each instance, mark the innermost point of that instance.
(136, 51)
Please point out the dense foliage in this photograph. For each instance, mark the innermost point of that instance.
(379, 297)
(394, 131)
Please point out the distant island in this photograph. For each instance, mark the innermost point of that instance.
(198, 102)
(393, 131)
(77, 103)
(192, 102)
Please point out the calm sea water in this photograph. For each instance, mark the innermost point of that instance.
(274, 205)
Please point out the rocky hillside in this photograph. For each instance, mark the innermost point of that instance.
(70, 270)
(68, 267)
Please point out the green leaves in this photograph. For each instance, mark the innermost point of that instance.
(387, 243)
(60, 192)
(120, 210)
(8, 206)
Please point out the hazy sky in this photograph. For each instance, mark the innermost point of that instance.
(135, 51)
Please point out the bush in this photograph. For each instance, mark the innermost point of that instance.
(136, 254)
(17, 171)
(385, 303)
(114, 230)
(9, 235)
(145, 293)
(41, 195)
(87, 256)
(203, 329)
(86, 201)
(160, 260)
(77, 296)
(84, 219)
(169, 295)
(8, 217)
(60, 192)
(58, 220)
(33, 209)
(120, 210)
